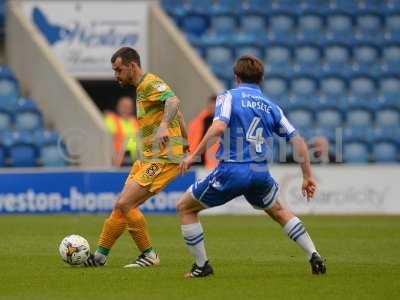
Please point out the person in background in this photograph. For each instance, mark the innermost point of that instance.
(319, 150)
(197, 129)
(123, 127)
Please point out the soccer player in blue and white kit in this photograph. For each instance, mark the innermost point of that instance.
(246, 119)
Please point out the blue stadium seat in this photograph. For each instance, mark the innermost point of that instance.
(301, 117)
(392, 21)
(337, 53)
(363, 87)
(8, 94)
(282, 23)
(223, 24)
(52, 156)
(7, 138)
(355, 152)
(333, 87)
(252, 23)
(196, 24)
(385, 152)
(336, 57)
(385, 134)
(28, 120)
(221, 59)
(311, 26)
(304, 87)
(21, 149)
(369, 24)
(339, 26)
(391, 56)
(387, 117)
(249, 50)
(391, 5)
(219, 55)
(211, 38)
(366, 56)
(43, 137)
(355, 134)
(329, 118)
(385, 103)
(5, 120)
(358, 117)
(307, 58)
(27, 116)
(224, 73)
(23, 155)
(242, 39)
(277, 58)
(390, 87)
(275, 87)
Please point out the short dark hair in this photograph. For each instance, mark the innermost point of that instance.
(127, 55)
(249, 69)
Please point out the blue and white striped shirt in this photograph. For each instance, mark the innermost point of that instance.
(252, 120)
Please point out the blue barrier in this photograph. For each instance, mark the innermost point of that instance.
(77, 192)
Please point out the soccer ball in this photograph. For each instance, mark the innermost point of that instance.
(74, 250)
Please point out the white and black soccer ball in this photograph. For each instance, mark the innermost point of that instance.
(74, 250)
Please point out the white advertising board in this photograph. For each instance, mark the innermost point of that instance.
(369, 189)
(84, 34)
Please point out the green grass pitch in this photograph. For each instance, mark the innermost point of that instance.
(251, 257)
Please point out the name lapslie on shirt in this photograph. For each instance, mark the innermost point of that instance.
(256, 105)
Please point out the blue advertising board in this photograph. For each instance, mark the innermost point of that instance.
(78, 192)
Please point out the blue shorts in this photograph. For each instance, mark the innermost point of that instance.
(230, 180)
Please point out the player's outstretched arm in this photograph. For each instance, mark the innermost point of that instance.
(213, 133)
(301, 156)
(170, 109)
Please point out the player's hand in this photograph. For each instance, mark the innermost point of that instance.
(185, 164)
(162, 135)
(308, 187)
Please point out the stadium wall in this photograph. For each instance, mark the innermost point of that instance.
(364, 189)
(172, 57)
(60, 97)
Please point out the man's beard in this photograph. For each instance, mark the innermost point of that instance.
(127, 83)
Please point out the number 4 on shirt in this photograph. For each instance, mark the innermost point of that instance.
(255, 135)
